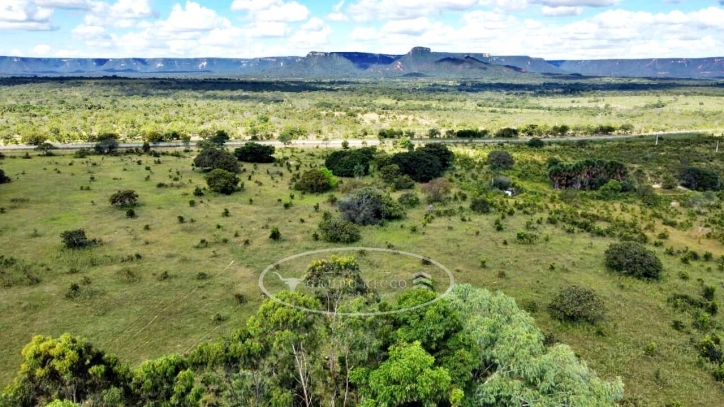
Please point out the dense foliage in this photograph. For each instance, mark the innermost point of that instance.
(368, 206)
(418, 165)
(589, 174)
(222, 181)
(126, 197)
(343, 163)
(500, 160)
(633, 259)
(700, 179)
(472, 348)
(76, 239)
(335, 230)
(255, 153)
(577, 304)
(4, 178)
(211, 158)
(314, 180)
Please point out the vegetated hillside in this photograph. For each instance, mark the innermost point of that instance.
(665, 68)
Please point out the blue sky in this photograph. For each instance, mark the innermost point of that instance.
(552, 29)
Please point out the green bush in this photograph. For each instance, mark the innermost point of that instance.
(507, 132)
(342, 163)
(222, 181)
(409, 199)
(633, 259)
(339, 231)
(124, 198)
(215, 158)
(700, 179)
(501, 182)
(501, 160)
(536, 143)
(76, 239)
(442, 152)
(275, 234)
(418, 165)
(577, 304)
(3, 178)
(480, 205)
(313, 181)
(255, 153)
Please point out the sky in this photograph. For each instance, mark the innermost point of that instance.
(551, 29)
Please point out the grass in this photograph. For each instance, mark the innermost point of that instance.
(140, 308)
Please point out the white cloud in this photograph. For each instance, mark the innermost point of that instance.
(42, 49)
(24, 15)
(193, 17)
(414, 26)
(576, 3)
(65, 4)
(266, 29)
(288, 12)
(369, 10)
(253, 5)
(562, 11)
(337, 14)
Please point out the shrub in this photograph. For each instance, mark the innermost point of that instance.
(3, 178)
(669, 182)
(480, 205)
(389, 173)
(342, 163)
(500, 159)
(275, 234)
(610, 190)
(369, 206)
(339, 231)
(222, 181)
(436, 190)
(107, 143)
(127, 197)
(130, 213)
(536, 143)
(507, 132)
(314, 181)
(255, 153)
(577, 304)
(501, 182)
(589, 174)
(214, 158)
(409, 200)
(403, 182)
(418, 165)
(76, 239)
(633, 259)
(700, 179)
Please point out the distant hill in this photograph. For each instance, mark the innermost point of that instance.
(419, 62)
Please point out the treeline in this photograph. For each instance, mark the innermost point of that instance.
(529, 130)
(589, 174)
(470, 348)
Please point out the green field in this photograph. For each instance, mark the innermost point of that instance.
(143, 295)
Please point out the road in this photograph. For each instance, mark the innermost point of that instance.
(353, 143)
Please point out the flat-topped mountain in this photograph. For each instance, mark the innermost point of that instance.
(419, 62)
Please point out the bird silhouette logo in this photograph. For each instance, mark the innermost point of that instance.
(291, 282)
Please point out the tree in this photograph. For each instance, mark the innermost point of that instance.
(33, 139)
(700, 179)
(314, 181)
(368, 206)
(442, 152)
(222, 181)
(219, 138)
(215, 158)
(4, 179)
(536, 143)
(344, 162)
(107, 143)
(433, 133)
(500, 160)
(255, 153)
(127, 197)
(480, 205)
(45, 148)
(66, 368)
(633, 259)
(577, 304)
(164, 382)
(406, 378)
(339, 231)
(76, 239)
(419, 165)
(436, 190)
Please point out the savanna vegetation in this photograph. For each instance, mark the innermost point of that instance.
(585, 272)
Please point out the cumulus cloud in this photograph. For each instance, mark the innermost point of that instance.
(272, 10)
(562, 11)
(42, 49)
(24, 15)
(576, 3)
(369, 10)
(337, 14)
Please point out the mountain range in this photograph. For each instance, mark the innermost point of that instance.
(419, 62)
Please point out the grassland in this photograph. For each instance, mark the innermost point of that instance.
(77, 109)
(153, 287)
